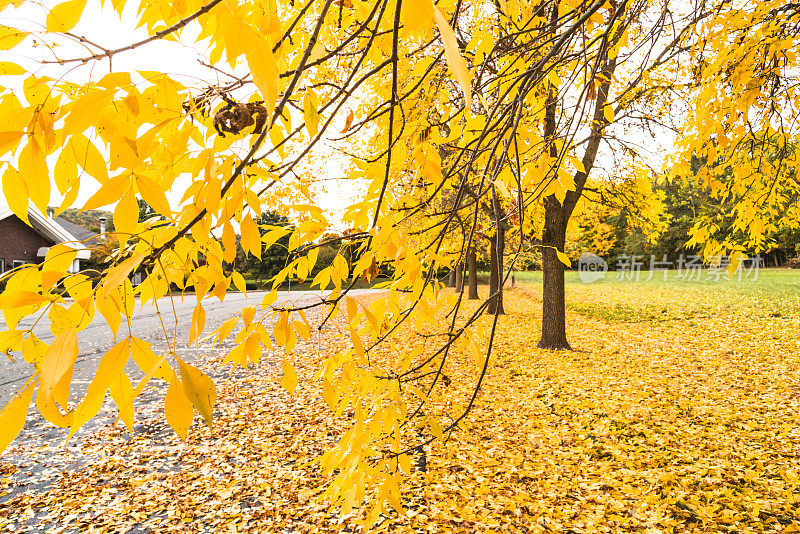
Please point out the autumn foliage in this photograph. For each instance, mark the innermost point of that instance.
(462, 120)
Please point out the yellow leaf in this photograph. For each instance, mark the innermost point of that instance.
(269, 299)
(228, 242)
(329, 394)
(126, 215)
(109, 193)
(122, 392)
(608, 112)
(12, 418)
(90, 160)
(563, 258)
(86, 109)
(265, 72)
(404, 461)
(109, 368)
(9, 140)
(117, 274)
(56, 263)
(392, 493)
(289, 380)
(153, 194)
(198, 323)
(352, 310)
(65, 172)
(10, 69)
(417, 16)
(178, 409)
(453, 56)
(436, 429)
(310, 114)
(281, 329)
(15, 191)
(64, 17)
(302, 329)
(578, 164)
(239, 281)
(109, 311)
(33, 167)
(251, 238)
(148, 362)
(56, 364)
(199, 389)
(226, 328)
(248, 314)
(9, 38)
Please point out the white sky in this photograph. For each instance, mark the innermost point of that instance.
(102, 25)
(105, 27)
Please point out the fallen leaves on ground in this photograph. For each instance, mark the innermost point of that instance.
(681, 425)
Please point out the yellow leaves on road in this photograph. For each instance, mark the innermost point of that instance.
(639, 432)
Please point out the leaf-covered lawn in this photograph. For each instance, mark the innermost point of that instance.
(682, 415)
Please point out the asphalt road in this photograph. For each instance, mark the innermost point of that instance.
(97, 338)
(40, 455)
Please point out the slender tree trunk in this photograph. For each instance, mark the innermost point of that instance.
(557, 214)
(472, 264)
(554, 330)
(459, 278)
(492, 274)
(451, 278)
(497, 248)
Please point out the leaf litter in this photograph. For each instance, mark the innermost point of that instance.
(686, 425)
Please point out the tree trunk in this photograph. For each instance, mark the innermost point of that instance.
(451, 278)
(472, 264)
(554, 330)
(557, 214)
(459, 278)
(497, 248)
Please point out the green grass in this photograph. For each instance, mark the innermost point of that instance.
(772, 293)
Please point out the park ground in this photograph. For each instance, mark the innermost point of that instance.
(679, 411)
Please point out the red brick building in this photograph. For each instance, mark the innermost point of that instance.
(21, 243)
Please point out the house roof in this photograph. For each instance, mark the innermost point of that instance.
(52, 229)
(85, 236)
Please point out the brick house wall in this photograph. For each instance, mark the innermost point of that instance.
(18, 241)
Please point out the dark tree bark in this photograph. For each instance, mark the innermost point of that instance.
(497, 248)
(459, 278)
(554, 329)
(472, 264)
(557, 214)
(451, 278)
